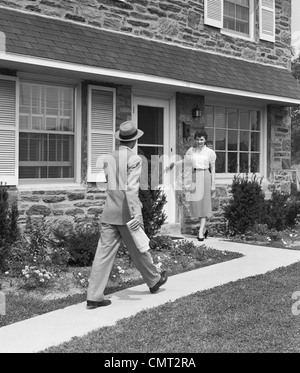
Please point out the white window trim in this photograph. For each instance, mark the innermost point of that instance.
(226, 178)
(53, 80)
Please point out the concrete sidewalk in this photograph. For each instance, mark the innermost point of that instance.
(59, 326)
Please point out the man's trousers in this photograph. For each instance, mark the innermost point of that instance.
(108, 245)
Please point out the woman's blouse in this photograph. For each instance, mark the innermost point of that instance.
(201, 158)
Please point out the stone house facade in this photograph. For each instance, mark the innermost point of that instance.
(72, 71)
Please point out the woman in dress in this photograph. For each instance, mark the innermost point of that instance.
(203, 184)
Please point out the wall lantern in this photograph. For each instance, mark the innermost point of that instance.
(196, 112)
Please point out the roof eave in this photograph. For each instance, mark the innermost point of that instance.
(16, 60)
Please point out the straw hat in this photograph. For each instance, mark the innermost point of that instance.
(128, 132)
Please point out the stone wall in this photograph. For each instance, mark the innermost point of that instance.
(280, 173)
(58, 206)
(171, 21)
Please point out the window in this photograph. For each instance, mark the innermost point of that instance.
(46, 132)
(235, 135)
(238, 17)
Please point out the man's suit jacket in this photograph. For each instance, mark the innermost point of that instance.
(122, 171)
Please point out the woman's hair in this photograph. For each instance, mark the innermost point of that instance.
(200, 133)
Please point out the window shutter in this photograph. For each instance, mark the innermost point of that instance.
(101, 129)
(8, 131)
(267, 20)
(213, 13)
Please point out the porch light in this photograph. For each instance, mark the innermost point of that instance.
(196, 112)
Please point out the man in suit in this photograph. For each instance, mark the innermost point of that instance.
(122, 171)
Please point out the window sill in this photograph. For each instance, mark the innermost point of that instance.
(239, 36)
(58, 186)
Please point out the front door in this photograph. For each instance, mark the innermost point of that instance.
(153, 117)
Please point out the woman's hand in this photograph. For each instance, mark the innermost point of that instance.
(213, 188)
(169, 168)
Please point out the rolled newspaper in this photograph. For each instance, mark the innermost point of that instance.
(140, 238)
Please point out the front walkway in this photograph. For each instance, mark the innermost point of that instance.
(59, 326)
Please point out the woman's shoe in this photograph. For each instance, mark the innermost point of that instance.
(200, 239)
(206, 234)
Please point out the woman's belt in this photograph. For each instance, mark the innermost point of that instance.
(200, 169)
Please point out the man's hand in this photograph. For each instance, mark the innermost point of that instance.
(136, 222)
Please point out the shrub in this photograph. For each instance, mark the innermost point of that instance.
(36, 242)
(153, 201)
(31, 256)
(261, 232)
(80, 242)
(9, 230)
(246, 206)
(34, 257)
(185, 246)
(161, 243)
(281, 211)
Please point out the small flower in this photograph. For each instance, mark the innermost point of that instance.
(6, 273)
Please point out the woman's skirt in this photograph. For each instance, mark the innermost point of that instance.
(200, 194)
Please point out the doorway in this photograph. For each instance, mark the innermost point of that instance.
(153, 118)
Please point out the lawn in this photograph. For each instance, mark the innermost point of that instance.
(253, 315)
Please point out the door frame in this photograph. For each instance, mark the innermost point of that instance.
(169, 145)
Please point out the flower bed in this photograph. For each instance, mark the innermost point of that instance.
(69, 286)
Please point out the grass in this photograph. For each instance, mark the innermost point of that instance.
(253, 315)
(21, 305)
